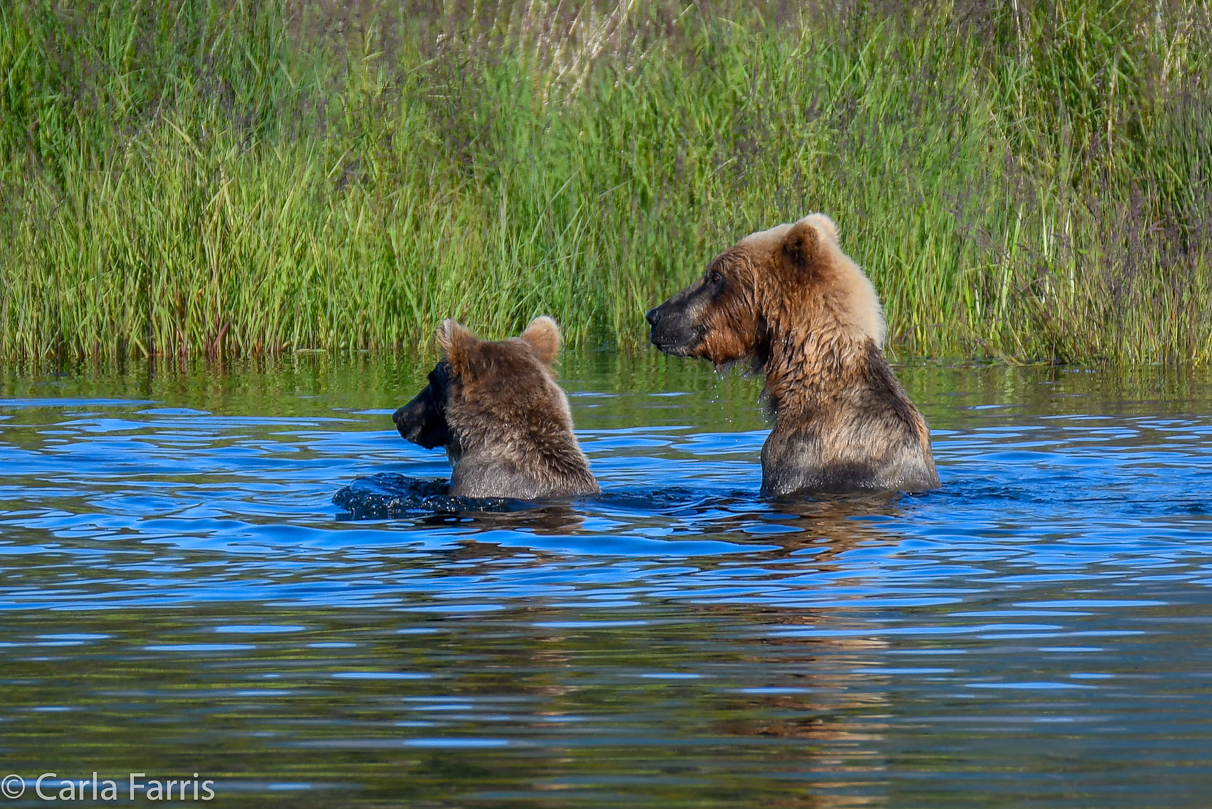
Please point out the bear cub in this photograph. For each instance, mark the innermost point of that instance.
(789, 301)
(501, 416)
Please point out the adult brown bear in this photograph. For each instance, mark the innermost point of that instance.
(502, 417)
(791, 302)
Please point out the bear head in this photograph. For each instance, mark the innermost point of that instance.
(481, 384)
(772, 283)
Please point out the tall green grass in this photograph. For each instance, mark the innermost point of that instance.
(1027, 181)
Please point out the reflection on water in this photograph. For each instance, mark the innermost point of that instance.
(179, 593)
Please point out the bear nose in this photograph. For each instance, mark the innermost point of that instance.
(395, 417)
(653, 315)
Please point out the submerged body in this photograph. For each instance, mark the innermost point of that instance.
(790, 302)
(501, 416)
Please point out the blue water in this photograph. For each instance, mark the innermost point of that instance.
(179, 594)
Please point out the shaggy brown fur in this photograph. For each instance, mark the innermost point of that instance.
(790, 301)
(503, 419)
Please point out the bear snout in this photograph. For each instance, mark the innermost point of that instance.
(421, 424)
(672, 332)
(407, 426)
(665, 325)
(410, 423)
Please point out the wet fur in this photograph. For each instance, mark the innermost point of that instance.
(789, 301)
(501, 416)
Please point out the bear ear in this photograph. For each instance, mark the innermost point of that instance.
(800, 247)
(543, 335)
(455, 342)
(824, 224)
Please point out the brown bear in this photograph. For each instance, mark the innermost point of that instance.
(503, 419)
(792, 303)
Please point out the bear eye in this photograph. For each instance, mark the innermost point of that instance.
(716, 277)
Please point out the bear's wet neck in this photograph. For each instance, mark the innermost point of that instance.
(805, 369)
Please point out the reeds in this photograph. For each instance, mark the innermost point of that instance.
(1027, 181)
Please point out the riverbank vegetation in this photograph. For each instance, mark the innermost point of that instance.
(1026, 181)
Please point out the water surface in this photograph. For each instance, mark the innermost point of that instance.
(179, 594)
